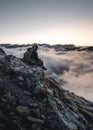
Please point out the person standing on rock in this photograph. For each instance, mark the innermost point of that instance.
(31, 57)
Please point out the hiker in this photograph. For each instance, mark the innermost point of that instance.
(31, 57)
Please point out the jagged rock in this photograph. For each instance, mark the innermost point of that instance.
(22, 109)
(20, 78)
(2, 52)
(34, 120)
(29, 100)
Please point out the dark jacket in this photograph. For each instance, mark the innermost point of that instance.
(34, 56)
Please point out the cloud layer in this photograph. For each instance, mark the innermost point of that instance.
(75, 68)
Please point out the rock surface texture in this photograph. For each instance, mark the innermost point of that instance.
(29, 100)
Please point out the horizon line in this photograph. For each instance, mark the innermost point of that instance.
(25, 43)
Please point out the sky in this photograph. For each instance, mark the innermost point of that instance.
(46, 21)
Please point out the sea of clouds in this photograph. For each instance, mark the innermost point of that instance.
(72, 69)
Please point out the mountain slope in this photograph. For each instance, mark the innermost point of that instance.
(29, 100)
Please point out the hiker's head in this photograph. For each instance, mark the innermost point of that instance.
(35, 47)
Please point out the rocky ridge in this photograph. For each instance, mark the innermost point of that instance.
(29, 100)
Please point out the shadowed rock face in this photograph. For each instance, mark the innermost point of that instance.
(31, 101)
(2, 52)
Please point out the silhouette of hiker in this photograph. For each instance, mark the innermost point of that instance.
(31, 57)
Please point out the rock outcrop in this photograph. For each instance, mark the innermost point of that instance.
(31, 101)
(2, 52)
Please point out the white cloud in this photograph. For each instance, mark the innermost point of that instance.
(75, 67)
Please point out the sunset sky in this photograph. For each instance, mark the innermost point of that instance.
(46, 21)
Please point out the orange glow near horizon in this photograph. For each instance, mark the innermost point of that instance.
(78, 34)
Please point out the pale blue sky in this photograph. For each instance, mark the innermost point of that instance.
(48, 21)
